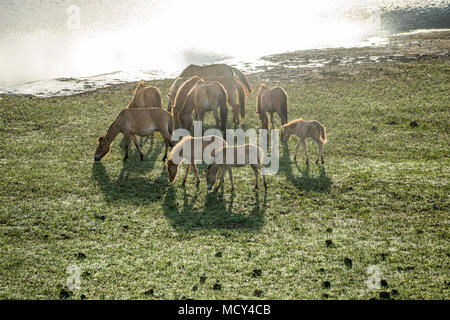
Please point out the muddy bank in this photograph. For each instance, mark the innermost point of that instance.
(344, 62)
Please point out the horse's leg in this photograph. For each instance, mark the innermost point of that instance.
(306, 150)
(264, 177)
(133, 137)
(127, 144)
(296, 149)
(216, 116)
(196, 173)
(188, 167)
(236, 114)
(271, 120)
(165, 151)
(196, 114)
(222, 176)
(320, 153)
(255, 170)
(230, 174)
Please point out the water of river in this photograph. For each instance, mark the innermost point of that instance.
(56, 47)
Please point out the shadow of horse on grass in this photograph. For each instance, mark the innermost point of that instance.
(215, 212)
(306, 182)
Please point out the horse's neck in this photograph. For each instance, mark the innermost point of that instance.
(113, 131)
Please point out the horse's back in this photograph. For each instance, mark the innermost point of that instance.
(207, 71)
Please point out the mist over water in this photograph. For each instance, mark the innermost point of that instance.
(141, 39)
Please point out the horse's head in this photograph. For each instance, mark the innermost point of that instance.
(103, 148)
(172, 169)
(186, 121)
(211, 176)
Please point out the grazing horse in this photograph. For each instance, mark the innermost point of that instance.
(180, 98)
(146, 97)
(185, 150)
(233, 87)
(272, 100)
(253, 156)
(203, 97)
(132, 122)
(215, 70)
(305, 129)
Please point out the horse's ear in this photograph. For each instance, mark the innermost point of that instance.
(100, 139)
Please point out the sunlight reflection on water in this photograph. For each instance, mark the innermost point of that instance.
(131, 37)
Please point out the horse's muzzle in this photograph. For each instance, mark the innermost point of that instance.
(209, 187)
(97, 158)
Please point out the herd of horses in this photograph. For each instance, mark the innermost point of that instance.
(198, 90)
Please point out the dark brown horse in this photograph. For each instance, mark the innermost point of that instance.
(215, 70)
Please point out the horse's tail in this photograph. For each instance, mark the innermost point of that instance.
(323, 134)
(284, 107)
(223, 108)
(260, 156)
(241, 95)
(258, 103)
(158, 98)
(241, 77)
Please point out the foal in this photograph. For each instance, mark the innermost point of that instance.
(253, 155)
(185, 150)
(305, 129)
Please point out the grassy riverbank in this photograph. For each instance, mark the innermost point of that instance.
(381, 200)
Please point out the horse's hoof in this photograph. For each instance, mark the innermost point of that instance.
(142, 158)
(317, 161)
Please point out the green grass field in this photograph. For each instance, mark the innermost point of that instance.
(381, 201)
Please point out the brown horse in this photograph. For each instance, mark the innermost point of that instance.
(180, 98)
(215, 70)
(236, 95)
(185, 150)
(252, 155)
(305, 129)
(146, 97)
(131, 122)
(234, 88)
(203, 97)
(272, 100)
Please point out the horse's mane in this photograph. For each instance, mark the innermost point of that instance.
(115, 120)
(294, 121)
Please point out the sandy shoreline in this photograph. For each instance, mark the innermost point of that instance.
(317, 64)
